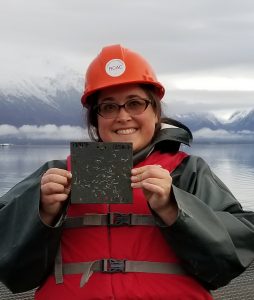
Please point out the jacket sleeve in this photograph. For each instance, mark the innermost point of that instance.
(213, 236)
(28, 246)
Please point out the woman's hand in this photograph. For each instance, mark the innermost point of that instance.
(55, 188)
(156, 184)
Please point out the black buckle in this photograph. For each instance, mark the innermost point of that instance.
(112, 265)
(118, 219)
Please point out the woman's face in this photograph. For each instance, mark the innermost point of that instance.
(136, 129)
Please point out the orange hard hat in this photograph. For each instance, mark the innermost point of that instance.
(116, 65)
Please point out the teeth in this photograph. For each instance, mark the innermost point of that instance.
(126, 131)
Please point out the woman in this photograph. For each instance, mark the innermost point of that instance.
(184, 234)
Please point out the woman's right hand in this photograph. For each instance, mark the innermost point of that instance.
(55, 188)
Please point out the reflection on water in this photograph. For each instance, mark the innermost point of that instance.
(233, 164)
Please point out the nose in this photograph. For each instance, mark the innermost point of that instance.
(123, 115)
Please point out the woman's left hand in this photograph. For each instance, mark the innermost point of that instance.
(156, 184)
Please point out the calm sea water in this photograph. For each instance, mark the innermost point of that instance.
(233, 164)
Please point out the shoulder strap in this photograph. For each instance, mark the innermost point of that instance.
(68, 162)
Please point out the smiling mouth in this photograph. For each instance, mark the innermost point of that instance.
(126, 131)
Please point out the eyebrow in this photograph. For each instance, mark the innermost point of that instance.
(112, 98)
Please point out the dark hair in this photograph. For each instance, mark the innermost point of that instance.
(92, 117)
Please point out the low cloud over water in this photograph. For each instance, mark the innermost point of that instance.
(49, 132)
(224, 136)
(65, 133)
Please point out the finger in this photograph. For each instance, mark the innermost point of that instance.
(143, 169)
(47, 178)
(155, 189)
(54, 198)
(53, 188)
(151, 173)
(58, 171)
(67, 190)
(162, 184)
(151, 169)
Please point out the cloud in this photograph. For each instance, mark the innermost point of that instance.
(8, 130)
(46, 132)
(71, 133)
(175, 36)
(206, 135)
(198, 47)
(207, 82)
(185, 101)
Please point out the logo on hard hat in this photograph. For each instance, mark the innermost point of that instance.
(115, 67)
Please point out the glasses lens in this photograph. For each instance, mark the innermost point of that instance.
(108, 110)
(136, 106)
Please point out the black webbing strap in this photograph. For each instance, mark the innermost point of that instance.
(110, 219)
(119, 266)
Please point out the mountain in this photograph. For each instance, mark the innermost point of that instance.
(207, 128)
(57, 101)
(238, 121)
(62, 108)
(196, 121)
(42, 101)
(241, 120)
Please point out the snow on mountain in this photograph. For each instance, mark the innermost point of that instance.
(207, 128)
(55, 100)
(196, 121)
(239, 115)
(42, 101)
(42, 88)
(241, 120)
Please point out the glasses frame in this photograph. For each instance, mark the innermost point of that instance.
(147, 103)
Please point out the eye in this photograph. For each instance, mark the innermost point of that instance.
(107, 107)
(135, 103)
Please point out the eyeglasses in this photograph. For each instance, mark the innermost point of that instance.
(134, 106)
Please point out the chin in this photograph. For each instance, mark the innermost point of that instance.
(134, 147)
(125, 139)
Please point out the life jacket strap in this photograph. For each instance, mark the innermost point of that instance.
(119, 266)
(110, 219)
(58, 268)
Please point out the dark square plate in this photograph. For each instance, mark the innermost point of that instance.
(101, 172)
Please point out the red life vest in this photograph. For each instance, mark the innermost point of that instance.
(135, 243)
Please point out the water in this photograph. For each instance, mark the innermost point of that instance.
(17, 162)
(233, 164)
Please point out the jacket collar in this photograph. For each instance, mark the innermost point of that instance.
(168, 138)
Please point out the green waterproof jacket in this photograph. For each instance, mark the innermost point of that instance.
(212, 235)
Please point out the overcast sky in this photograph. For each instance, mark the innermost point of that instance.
(201, 50)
